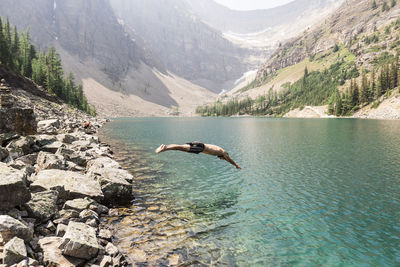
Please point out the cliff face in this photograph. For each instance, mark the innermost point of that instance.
(186, 46)
(86, 29)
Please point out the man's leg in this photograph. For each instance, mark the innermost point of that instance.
(162, 148)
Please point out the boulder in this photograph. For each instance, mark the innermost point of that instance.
(44, 139)
(43, 205)
(14, 251)
(105, 234)
(47, 161)
(28, 159)
(80, 241)
(103, 162)
(48, 126)
(13, 190)
(70, 185)
(5, 138)
(22, 144)
(66, 138)
(71, 155)
(10, 227)
(113, 181)
(52, 147)
(69, 214)
(78, 204)
(106, 262)
(52, 255)
(18, 120)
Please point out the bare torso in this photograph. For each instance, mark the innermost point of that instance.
(213, 150)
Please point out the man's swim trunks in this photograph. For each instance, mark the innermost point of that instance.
(196, 147)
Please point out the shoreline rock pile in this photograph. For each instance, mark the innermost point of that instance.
(55, 186)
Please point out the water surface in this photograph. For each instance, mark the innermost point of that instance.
(311, 192)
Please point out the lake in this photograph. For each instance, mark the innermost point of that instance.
(312, 192)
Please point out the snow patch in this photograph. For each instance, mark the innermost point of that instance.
(121, 22)
(244, 76)
(54, 5)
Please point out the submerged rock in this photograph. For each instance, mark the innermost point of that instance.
(80, 241)
(52, 255)
(14, 251)
(69, 184)
(43, 205)
(10, 227)
(13, 190)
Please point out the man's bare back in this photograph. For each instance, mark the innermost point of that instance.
(197, 147)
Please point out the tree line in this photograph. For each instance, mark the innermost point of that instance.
(314, 88)
(19, 54)
(381, 81)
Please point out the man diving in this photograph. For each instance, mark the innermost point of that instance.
(197, 147)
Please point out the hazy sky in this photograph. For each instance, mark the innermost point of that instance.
(252, 4)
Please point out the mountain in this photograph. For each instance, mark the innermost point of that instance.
(186, 46)
(349, 63)
(263, 28)
(153, 57)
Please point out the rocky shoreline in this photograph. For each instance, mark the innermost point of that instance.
(56, 185)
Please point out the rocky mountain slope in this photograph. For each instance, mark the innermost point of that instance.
(355, 44)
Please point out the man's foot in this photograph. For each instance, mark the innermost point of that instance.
(161, 148)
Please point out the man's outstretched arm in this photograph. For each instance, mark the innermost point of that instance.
(231, 161)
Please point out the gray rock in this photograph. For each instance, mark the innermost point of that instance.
(3, 153)
(111, 249)
(70, 185)
(114, 181)
(80, 241)
(18, 120)
(105, 234)
(66, 138)
(50, 226)
(103, 162)
(22, 144)
(62, 220)
(43, 205)
(52, 147)
(78, 204)
(46, 161)
(14, 251)
(106, 262)
(28, 262)
(88, 215)
(52, 255)
(61, 229)
(28, 159)
(5, 138)
(69, 214)
(44, 139)
(71, 155)
(13, 190)
(99, 209)
(48, 126)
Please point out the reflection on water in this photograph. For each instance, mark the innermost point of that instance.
(311, 193)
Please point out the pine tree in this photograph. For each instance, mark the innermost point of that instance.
(373, 4)
(372, 90)
(364, 88)
(338, 106)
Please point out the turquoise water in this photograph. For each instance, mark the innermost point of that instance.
(311, 192)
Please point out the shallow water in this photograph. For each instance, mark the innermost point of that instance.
(311, 192)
